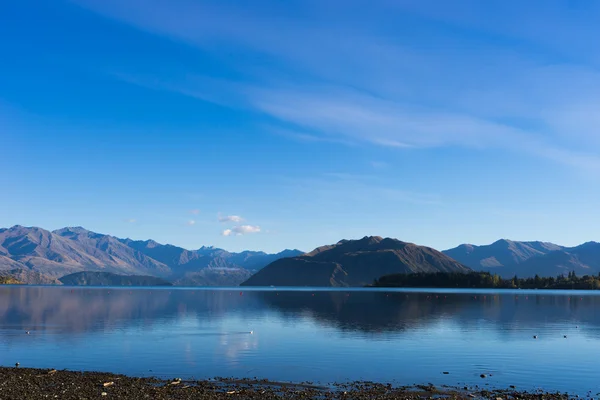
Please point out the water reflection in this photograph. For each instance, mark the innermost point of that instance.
(399, 311)
(82, 310)
(321, 336)
(67, 310)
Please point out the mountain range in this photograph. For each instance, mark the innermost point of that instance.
(354, 263)
(36, 255)
(359, 262)
(526, 259)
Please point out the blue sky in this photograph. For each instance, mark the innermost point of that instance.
(271, 125)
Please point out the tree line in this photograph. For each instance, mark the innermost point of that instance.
(486, 280)
(7, 280)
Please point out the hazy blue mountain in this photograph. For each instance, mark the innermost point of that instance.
(524, 259)
(179, 260)
(500, 256)
(583, 259)
(254, 260)
(183, 261)
(94, 278)
(214, 277)
(354, 263)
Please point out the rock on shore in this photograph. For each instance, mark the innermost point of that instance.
(33, 384)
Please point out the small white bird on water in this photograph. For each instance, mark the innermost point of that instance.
(252, 332)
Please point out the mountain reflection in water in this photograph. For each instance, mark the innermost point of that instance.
(400, 336)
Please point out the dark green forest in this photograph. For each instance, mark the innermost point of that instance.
(487, 280)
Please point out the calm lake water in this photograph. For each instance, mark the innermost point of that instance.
(325, 336)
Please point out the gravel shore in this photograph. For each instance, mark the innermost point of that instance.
(31, 384)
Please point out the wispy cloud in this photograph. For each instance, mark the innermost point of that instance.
(379, 164)
(343, 189)
(131, 221)
(535, 24)
(195, 212)
(191, 222)
(389, 92)
(299, 136)
(350, 117)
(230, 218)
(241, 230)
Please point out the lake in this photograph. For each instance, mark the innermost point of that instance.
(398, 336)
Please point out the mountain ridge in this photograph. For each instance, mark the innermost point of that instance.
(508, 258)
(75, 249)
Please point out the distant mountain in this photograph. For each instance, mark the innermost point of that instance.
(583, 259)
(70, 250)
(208, 266)
(215, 277)
(501, 256)
(526, 259)
(90, 278)
(255, 260)
(354, 263)
(182, 260)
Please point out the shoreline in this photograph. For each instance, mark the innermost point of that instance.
(30, 383)
(311, 288)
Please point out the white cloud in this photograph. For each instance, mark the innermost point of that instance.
(131, 221)
(241, 230)
(230, 218)
(195, 212)
(191, 222)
